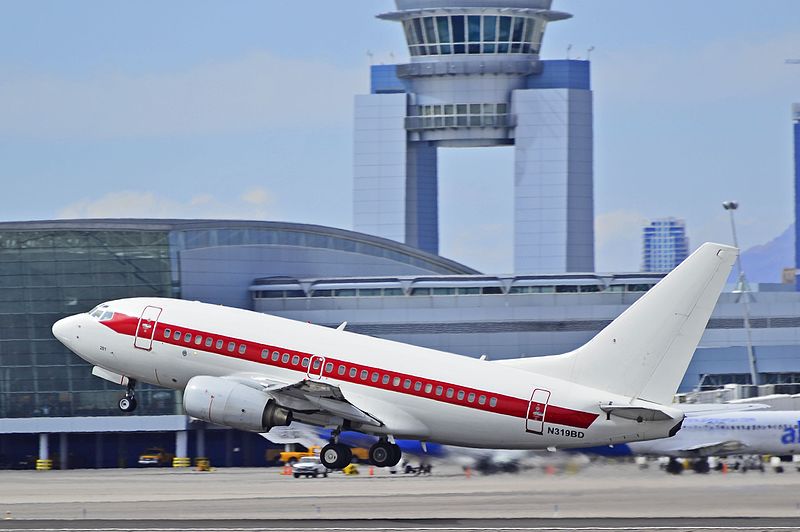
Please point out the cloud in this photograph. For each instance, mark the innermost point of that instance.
(255, 92)
(485, 247)
(618, 241)
(254, 204)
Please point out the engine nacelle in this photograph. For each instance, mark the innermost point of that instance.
(229, 403)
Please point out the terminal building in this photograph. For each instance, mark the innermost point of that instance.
(475, 80)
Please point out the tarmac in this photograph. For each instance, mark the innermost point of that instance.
(599, 497)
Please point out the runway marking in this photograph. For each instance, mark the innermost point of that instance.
(414, 529)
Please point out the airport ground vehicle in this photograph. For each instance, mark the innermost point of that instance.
(155, 456)
(309, 466)
(291, 457)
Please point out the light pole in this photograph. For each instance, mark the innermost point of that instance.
(743, 290)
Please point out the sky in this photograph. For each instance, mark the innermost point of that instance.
(244, 109)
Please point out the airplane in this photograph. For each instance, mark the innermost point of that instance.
(253, 371)
(719, 435)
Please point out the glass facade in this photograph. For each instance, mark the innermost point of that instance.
(46, 275)
(458, 115)
(473, 34)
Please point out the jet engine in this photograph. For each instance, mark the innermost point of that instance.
(232, 404)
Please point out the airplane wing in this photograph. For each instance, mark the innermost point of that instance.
(309, 397)
(700, 409)
(719, 448)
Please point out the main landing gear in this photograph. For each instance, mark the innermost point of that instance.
(128, 403)
(385, 454)
(337, 455)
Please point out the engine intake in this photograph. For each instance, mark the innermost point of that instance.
(232, 404)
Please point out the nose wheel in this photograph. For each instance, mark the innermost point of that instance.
(128, 403)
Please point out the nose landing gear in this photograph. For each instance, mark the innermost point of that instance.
(128, 403)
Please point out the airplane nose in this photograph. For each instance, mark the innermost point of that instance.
(61, 330)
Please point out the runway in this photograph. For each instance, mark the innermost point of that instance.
(601, 497)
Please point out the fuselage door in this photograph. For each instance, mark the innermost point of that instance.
(315, 367)
(146, 328)
(534, 421)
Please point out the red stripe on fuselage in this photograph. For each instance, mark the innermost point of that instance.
(507, 405)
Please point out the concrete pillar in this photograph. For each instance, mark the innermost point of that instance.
(44, 447)
(63, 450)
(201, 442)
(181, 444)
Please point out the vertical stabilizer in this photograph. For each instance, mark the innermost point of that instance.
(644, 353)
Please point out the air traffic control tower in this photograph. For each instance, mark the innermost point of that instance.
(475, 80)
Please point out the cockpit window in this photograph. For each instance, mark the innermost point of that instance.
(101, 313)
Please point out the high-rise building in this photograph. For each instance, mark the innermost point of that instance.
(665, 245)
(475, 80)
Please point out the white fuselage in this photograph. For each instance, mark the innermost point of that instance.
(415, 392)
(733, 433)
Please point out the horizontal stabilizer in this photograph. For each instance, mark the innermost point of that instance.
(637, 413)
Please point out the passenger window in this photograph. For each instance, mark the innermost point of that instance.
(275, 356)
(407, 384)
(417, 386)
(396, 381)
(482, 400)
(231, 346)
(460, 395)
(317, 363)
(305, 362)
(285, 358)
(341, 369)
(177, 335)
(385, 379)
(187, 337)
(265, 354)
(449, 393)
(439, 390)
(167, 332)
(219, 344)
(353, 372)
(329, 367)
(375, 376)
(209, 341)
(364, 374)
(295, 360)
(242, 349)
(198, 340)
(493, 402)
(471, 398)
(428, 388)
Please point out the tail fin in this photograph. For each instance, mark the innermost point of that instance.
(644, 353)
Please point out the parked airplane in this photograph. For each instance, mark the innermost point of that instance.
(722, 434)
(252, 371)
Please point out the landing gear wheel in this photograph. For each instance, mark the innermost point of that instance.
(127, 404)
(384, 454)
(674, 467)
(701, 466)
(335, 456)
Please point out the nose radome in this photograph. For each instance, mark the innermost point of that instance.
(61, 330)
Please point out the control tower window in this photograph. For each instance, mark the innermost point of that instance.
(458, 34)
(430, 36)
(443, 27)
(474, 24)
